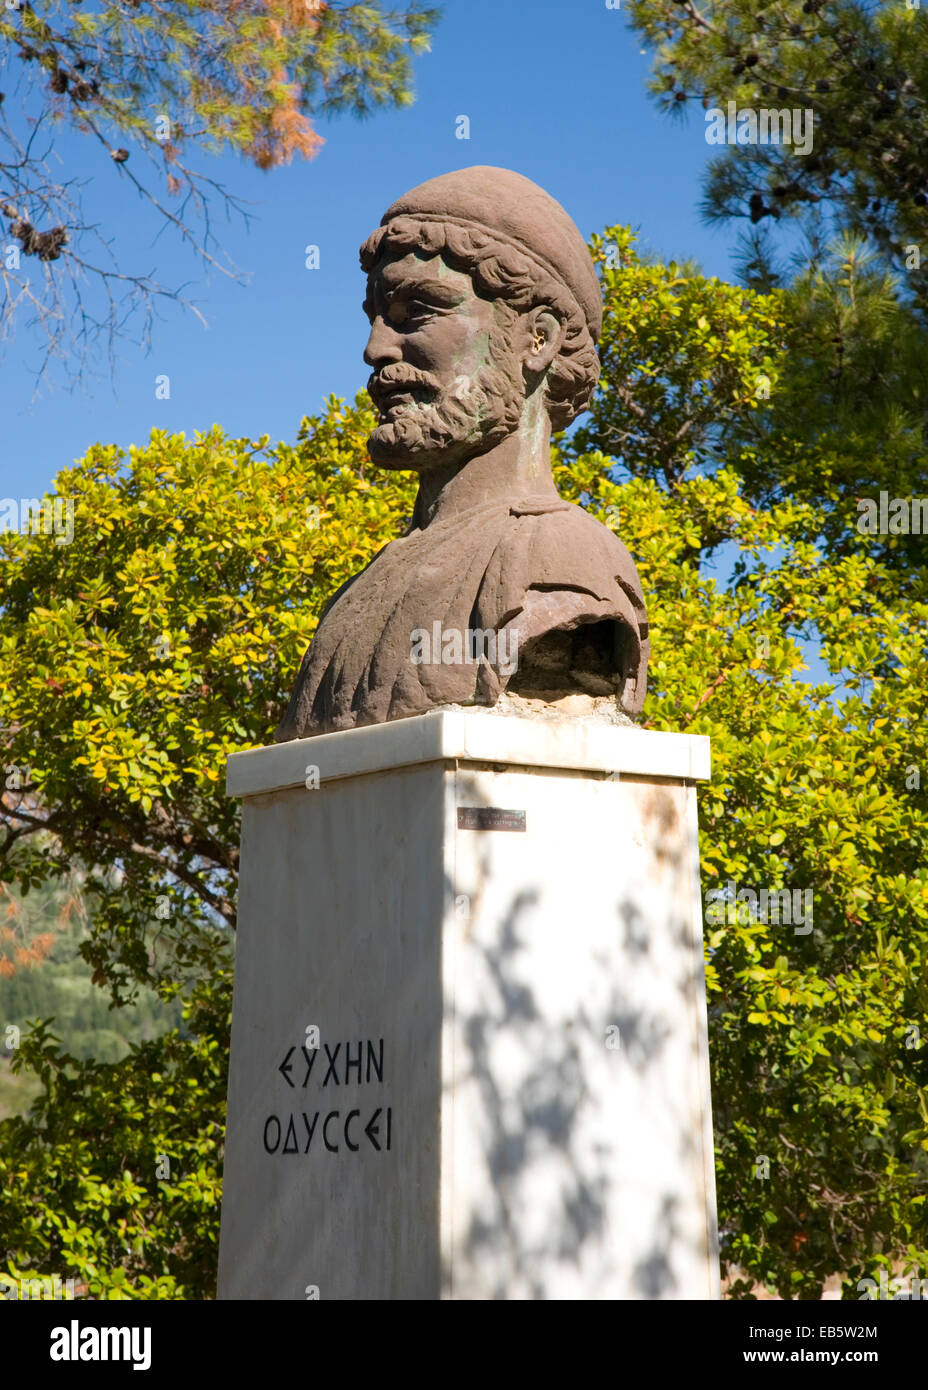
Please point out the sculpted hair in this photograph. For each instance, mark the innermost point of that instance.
(500, 270)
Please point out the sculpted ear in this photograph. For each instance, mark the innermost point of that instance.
(544, 332)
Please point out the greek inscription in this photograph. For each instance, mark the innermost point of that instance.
(354, 1063)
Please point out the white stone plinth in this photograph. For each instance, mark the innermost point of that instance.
(510, 1097)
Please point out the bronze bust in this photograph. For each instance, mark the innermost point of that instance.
(485, 312)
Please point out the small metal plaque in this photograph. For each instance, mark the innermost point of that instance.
(489, 818)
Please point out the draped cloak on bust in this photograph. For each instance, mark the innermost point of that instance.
(538, 566)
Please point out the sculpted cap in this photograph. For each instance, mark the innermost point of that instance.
(509, 207)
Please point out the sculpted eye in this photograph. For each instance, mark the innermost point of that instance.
(410, 311)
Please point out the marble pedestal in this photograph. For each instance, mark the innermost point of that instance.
(469, 1028)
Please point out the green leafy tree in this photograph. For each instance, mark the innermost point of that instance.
(860, 67)
(846, 418)
(822, 400)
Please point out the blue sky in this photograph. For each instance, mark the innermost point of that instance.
(555, 91)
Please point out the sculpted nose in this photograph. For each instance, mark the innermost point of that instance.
(383, 345)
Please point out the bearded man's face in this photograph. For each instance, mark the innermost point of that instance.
(445, 380)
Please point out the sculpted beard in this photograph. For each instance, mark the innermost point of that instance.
(479, 411)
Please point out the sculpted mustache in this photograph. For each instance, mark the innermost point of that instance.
(394, 380)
